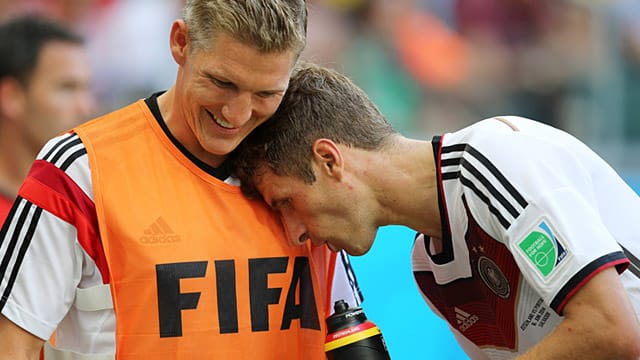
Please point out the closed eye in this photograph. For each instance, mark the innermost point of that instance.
(267, 94)
(280, 204)
(218, 82)
(222, 84)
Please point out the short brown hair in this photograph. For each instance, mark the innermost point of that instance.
(320, 103)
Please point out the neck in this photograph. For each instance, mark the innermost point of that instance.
(406, 189)
(16, 157)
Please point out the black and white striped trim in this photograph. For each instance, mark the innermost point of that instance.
(480, 175)
(65, 151)
(22, 221)
(353, 282)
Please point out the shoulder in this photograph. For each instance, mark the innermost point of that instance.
(526, 152)
(503, 165)
(61, 169)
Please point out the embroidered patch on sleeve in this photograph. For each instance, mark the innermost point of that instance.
(543, 249)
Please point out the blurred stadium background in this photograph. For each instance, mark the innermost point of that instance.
(432, 66)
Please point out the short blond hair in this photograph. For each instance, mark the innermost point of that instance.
(268, 25)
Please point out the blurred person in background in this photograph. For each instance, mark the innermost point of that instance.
(526, 245)
(531, 58)
(129, 239)
(45, 80)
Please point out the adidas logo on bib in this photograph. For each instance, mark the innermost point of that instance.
(159, 233)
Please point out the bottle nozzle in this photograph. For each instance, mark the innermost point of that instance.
(340, 306)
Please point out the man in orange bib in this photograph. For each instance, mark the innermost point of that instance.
(130, 240)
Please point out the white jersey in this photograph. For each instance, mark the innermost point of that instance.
(44, 263)
(529, 215)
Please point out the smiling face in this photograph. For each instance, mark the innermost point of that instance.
(332, 210)
(223, 92)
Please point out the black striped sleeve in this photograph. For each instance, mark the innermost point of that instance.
(23, 219)
(20, 225)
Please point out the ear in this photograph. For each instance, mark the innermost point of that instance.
(178, 41)
(328, 157)
(12, 98)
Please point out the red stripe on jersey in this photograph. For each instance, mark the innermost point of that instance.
(623, 262)
(53, 190)
(5, 207)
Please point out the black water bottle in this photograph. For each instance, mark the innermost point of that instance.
(352, 337)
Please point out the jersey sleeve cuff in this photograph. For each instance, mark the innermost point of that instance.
(617, 259)
(27, 321)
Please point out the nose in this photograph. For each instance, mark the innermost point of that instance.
(81, 105)
(238, 109)
(296, 231)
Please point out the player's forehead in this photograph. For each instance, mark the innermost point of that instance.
(268, 183)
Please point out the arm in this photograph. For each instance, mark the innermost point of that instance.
(599, 323)
(16, 343)
(44, 263)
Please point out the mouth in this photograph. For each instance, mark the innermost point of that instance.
(220, 122)
(304, 237)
